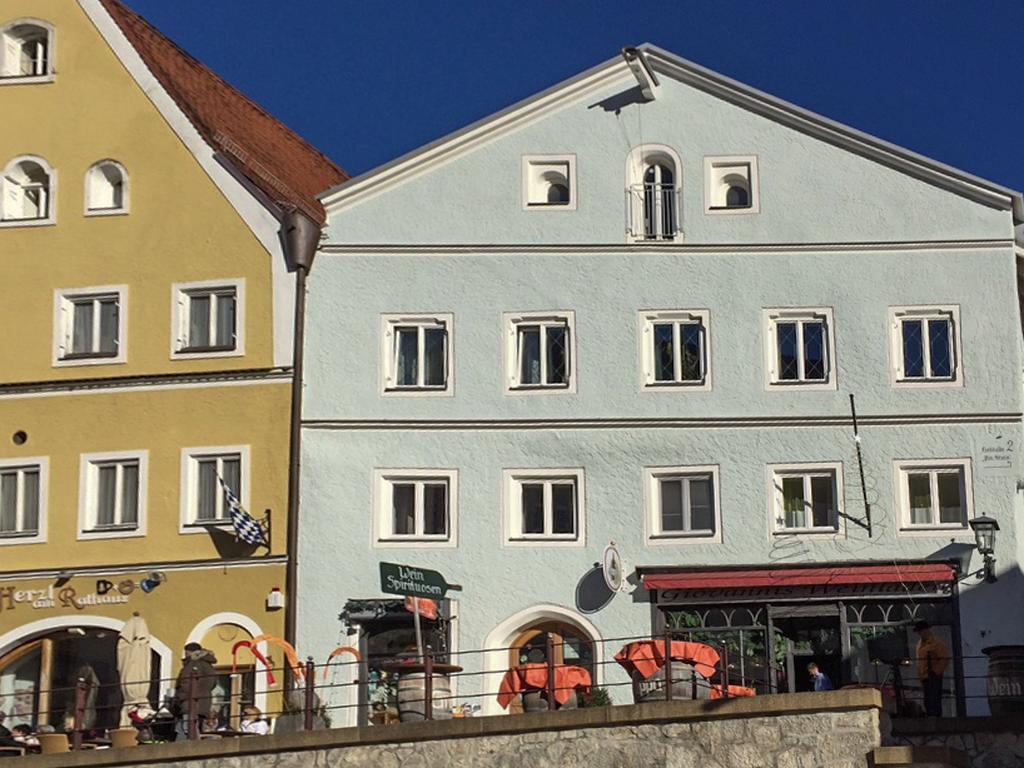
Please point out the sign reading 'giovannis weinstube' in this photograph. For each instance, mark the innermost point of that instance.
(398, 579)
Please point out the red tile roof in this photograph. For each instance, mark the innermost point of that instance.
(274, 158)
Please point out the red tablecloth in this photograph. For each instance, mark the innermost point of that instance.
(648, 656)
(534, 677)
(734, 691)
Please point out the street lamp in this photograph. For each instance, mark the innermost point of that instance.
(985, 540)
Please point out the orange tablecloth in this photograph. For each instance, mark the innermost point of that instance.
(648, 656)
(734, 691)
(533, 677)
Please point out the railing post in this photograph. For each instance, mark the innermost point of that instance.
(428, 684)
(725, 671)
(668, 665)
(192, 711)
(76, 734)
(693, 684)
(310, 702)
(551, 672)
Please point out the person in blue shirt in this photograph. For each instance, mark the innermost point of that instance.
(821, 681)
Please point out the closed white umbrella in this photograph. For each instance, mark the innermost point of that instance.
(133, 664)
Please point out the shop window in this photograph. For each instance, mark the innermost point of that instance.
(682, 503)
(540, 354)
(544, 506)
(22, 499)
(28, 192)
(799, 348)
(26, 53)
(807, 498)
(106, 189)
(203, 470)
(675, 350)
(934, 495)
(90, 326)
(114, 494)
(208, 319)
(925, 344)
(416, 505)
(416, 354)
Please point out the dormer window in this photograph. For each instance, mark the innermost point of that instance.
(27, 51)
(730, 185)
(549, 182)
(652, 193)
(27, 192)
(106, 189)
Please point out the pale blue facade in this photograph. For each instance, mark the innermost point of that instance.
(836, 229)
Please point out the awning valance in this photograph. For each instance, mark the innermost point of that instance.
(916, 573)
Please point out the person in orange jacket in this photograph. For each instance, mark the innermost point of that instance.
(932, 659)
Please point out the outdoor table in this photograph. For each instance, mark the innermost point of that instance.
(534, 677)
(735, 691)
(646, 657)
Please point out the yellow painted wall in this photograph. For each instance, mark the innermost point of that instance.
(180, 227)
(162, 421)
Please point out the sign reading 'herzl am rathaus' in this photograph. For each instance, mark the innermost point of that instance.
(398, 579)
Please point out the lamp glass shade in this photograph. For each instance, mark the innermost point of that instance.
(985, 534)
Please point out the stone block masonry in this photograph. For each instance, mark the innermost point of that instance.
(837, 729)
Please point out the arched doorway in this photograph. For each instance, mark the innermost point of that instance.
(569, 645)
(245, 684)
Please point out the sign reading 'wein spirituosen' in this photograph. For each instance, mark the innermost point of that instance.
(398, 579)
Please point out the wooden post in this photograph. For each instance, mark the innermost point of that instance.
(310, 703)
(551, 672)
(192, 711)
(79, 722)
(235, 703)
(725, 671)
(693, 684)
(428, 684)
(668, 665)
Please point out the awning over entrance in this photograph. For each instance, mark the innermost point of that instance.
(916, 573)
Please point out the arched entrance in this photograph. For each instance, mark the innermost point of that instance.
(522, 638)
(247, 684)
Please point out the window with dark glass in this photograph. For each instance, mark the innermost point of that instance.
(927, 348)
(419, 508)
(542, 354)
(547, 508)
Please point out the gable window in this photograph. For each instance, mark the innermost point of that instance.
(106, 189)
(730, 185)
(652, 193)
(682, 502)
(799, 348)
(90, 326)
(675, 349)
(203, 498)
(926, 345)
(807, 498)
(934, 494)
(27, 195)
(544, 506)
(22, 483)
(416, 354)
(549, 182)
(539, 354)
(27, 52)
(208, 318)
(415, 505)
(113, 488)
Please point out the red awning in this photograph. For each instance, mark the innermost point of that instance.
(803, 577)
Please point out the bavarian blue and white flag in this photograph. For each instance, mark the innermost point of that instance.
(247, 528)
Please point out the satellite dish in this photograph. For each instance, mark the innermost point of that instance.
(613, 569)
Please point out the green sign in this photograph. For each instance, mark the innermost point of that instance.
(398, 579)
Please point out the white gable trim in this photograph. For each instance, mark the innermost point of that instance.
(257, 216)
(422, 160)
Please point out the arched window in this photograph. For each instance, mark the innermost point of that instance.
(653, 193)
(106, 188)
(27, 49)
(27, 190)
(737, 196)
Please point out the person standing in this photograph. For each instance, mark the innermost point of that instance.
(932, 659)
(820, 679)
(200, 661)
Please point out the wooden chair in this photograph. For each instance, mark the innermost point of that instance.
(11, 751)
(123, 737)
(52, 743)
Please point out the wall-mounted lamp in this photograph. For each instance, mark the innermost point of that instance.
(985, 540)
(275, 599)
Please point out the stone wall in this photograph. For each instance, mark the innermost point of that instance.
(807, 730)
(990, 742)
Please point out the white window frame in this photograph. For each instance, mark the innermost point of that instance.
(652, 478)
(637, 161)
(716, 168)
(776, 510)
(124, 208)
(903, 467)
(389, 351)
(650, 318)
(771, 317)
(513, 480)
(950, 312)
(51, 52)
(42, 463)
(511, 322)
(532, 164)
(88, 495)
(180, 318)
(51, 193)
(189, 486)
(383, 534)
(63, 324)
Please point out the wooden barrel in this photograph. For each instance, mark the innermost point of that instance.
(537, 701)
(653, 687)
(411, 697)
(1005, 679)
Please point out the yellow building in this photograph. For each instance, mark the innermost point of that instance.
(146, 351)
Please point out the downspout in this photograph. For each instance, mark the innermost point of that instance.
(300, 237)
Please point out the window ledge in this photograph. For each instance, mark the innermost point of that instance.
(934, 530)
(71, 361)
(807, 532)
(112, 532)
(541, 389)
(677, 386)
(198, 353)
(445, 391)
(28, 222)
(106, 212)
(544, 541)
(415, 542)
(27, 79)
(207, 525)
(927, 383)
(22, 537)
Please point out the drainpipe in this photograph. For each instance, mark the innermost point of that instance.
(300, 237)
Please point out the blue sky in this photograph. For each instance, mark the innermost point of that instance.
(368, 81)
